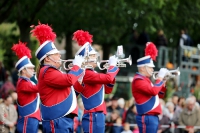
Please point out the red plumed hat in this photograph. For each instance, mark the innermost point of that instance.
(151, 50)
(23, 53)
(43, 32)
(45, 35)
(21, 50)
(84, 39)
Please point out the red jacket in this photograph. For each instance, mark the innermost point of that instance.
(147, 95)
(27, 92)
(93, 88)
(55, 86)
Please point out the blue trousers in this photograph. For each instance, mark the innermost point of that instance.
(60, 125)
(27, 125)
(147, 123)
(93, 122)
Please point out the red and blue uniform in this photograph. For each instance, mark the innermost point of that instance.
(58, 98)
(92, 91)
(147, 96)
(28, 106)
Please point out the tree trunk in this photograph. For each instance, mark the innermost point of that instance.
(24, 28)
(106, 51)
(68, 46)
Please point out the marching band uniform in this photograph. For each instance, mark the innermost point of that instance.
(27, 91)
(146, 95)
(58, 99)
(92, 90)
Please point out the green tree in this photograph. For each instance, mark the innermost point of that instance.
(8, 31)
(110, 22)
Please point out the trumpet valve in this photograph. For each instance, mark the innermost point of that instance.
(121, 64)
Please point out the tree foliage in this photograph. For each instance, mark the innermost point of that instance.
(110, 22)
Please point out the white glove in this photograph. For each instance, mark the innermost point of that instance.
(113, 60)
(78, 60)
(163, 72)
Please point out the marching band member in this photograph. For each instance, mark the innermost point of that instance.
(27, 91)
(146, 93)
(94, 85)
(58, 99)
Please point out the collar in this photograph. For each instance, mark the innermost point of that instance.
(25, 78)
(49, 66)
(145, 77)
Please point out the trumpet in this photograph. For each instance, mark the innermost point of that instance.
(70, 65)
(171, 74)
(120, 63)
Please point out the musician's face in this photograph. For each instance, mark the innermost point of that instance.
(147, 71)
(54, 60)
(28, 72)
(94, 58)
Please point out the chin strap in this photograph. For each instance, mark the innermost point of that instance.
(30, 73)
(58, 61)
(150, 73)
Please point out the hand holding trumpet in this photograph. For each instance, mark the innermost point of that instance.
(78, 60)
(113, 60)
(165, 74)
(162, 73)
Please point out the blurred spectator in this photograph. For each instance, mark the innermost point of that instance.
(175, 100)
(143, 38)
(127, 128)
(170, 107)
(183, 39)
(134, 37)
(115, 106)
(161, 40)
(1, 100)
(136, 130)
(163, 107)
(108, 102)
(130, 116)
(2, 74)
(114, 123)
(190, 116)
(189, 39)
(14, 75)
(8, 86)
(121, 102)
(78, 120)
(170, 114)
(179, 109)
(8, 115)
(164, 120)
(13, 94)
